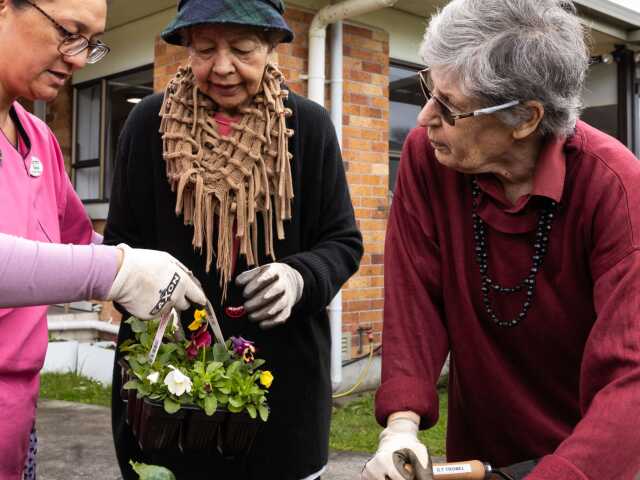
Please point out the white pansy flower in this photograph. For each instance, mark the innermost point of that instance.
(153, 377)
(177, 382)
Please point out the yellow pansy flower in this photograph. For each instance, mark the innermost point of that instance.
(199, 317)
(266, 378)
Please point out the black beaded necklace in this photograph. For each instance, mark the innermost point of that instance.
(543, 230)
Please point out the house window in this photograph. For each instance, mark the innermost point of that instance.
(100, 110)
(406, 101)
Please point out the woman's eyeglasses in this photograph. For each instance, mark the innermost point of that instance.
(447, 112)
(74, 43)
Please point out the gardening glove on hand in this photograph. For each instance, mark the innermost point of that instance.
(149, 282)
(270, 292)
(399, 447)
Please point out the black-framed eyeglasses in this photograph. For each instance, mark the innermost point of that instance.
(74, 43)
(448, 113)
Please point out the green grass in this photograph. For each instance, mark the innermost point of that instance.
(354, 427)
(74, 388)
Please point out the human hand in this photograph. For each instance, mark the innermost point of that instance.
(399, 446)
(150, 281)
(270, 292)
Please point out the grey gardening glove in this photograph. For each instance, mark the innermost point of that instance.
(270, 292)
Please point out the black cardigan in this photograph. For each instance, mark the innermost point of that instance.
(322, 242)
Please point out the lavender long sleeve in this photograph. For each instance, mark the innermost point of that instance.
(38, 273)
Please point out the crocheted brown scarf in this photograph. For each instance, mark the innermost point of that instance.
(228, 178)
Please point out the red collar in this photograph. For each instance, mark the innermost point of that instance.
(548, 177)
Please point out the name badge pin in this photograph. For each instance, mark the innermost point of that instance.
(35, 170)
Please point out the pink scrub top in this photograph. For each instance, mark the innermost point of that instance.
(37, 202)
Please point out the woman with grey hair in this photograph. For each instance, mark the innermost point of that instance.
(512, 244)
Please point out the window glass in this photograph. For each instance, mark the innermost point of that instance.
(88, 183)
(88, 134)
(600, 98)
(123, 93)
(406, 101)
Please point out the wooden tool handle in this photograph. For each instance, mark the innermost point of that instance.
(471, 470)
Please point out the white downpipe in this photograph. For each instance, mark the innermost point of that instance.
(318, 32)
(334, 14)
(335, 307)
(62, 325)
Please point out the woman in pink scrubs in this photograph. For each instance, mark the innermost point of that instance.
(49, 252)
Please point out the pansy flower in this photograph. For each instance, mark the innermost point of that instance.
(239, 345)
(199, 340)
(249, 354)
(266, 378)
(243, 348)
(199, 318)
(177, 382)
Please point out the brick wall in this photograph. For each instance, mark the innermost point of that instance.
(365, 148)
(60, 119)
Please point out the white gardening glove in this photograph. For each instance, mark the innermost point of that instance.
(399, 446)
(150, 281)
(270, 292)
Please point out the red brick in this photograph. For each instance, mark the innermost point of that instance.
(358, 31)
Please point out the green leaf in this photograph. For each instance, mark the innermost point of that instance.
(152, 472)
(236, 402)
(264, 412)
(213, 366)
(170, 406)
(257, 363)
(168, 347)
(210, 405)
(234, 367)
(141, 359)
(131, 385)
(143, 391)
(137, 325)
(252, 411)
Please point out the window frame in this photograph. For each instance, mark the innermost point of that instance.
(102, 149)
(394, 154)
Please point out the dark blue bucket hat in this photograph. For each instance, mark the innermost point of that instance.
(264, 14)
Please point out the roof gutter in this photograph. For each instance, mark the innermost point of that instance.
(615, 11)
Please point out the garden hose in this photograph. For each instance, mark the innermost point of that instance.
(363, 373)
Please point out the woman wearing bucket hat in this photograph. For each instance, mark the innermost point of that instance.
(47, 243)
(245, 185)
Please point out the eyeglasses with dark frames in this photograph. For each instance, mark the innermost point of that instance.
(448, 113)
(73, 43)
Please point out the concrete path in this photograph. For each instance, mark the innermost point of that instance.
(75, 444)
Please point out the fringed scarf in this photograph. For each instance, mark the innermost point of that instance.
(228, 179)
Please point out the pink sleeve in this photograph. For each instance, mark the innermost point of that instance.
(38, 273)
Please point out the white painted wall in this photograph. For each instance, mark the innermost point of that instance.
(405, 32)
(132, 45)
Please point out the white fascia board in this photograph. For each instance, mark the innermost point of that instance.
(613, 10)
(604, 27)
